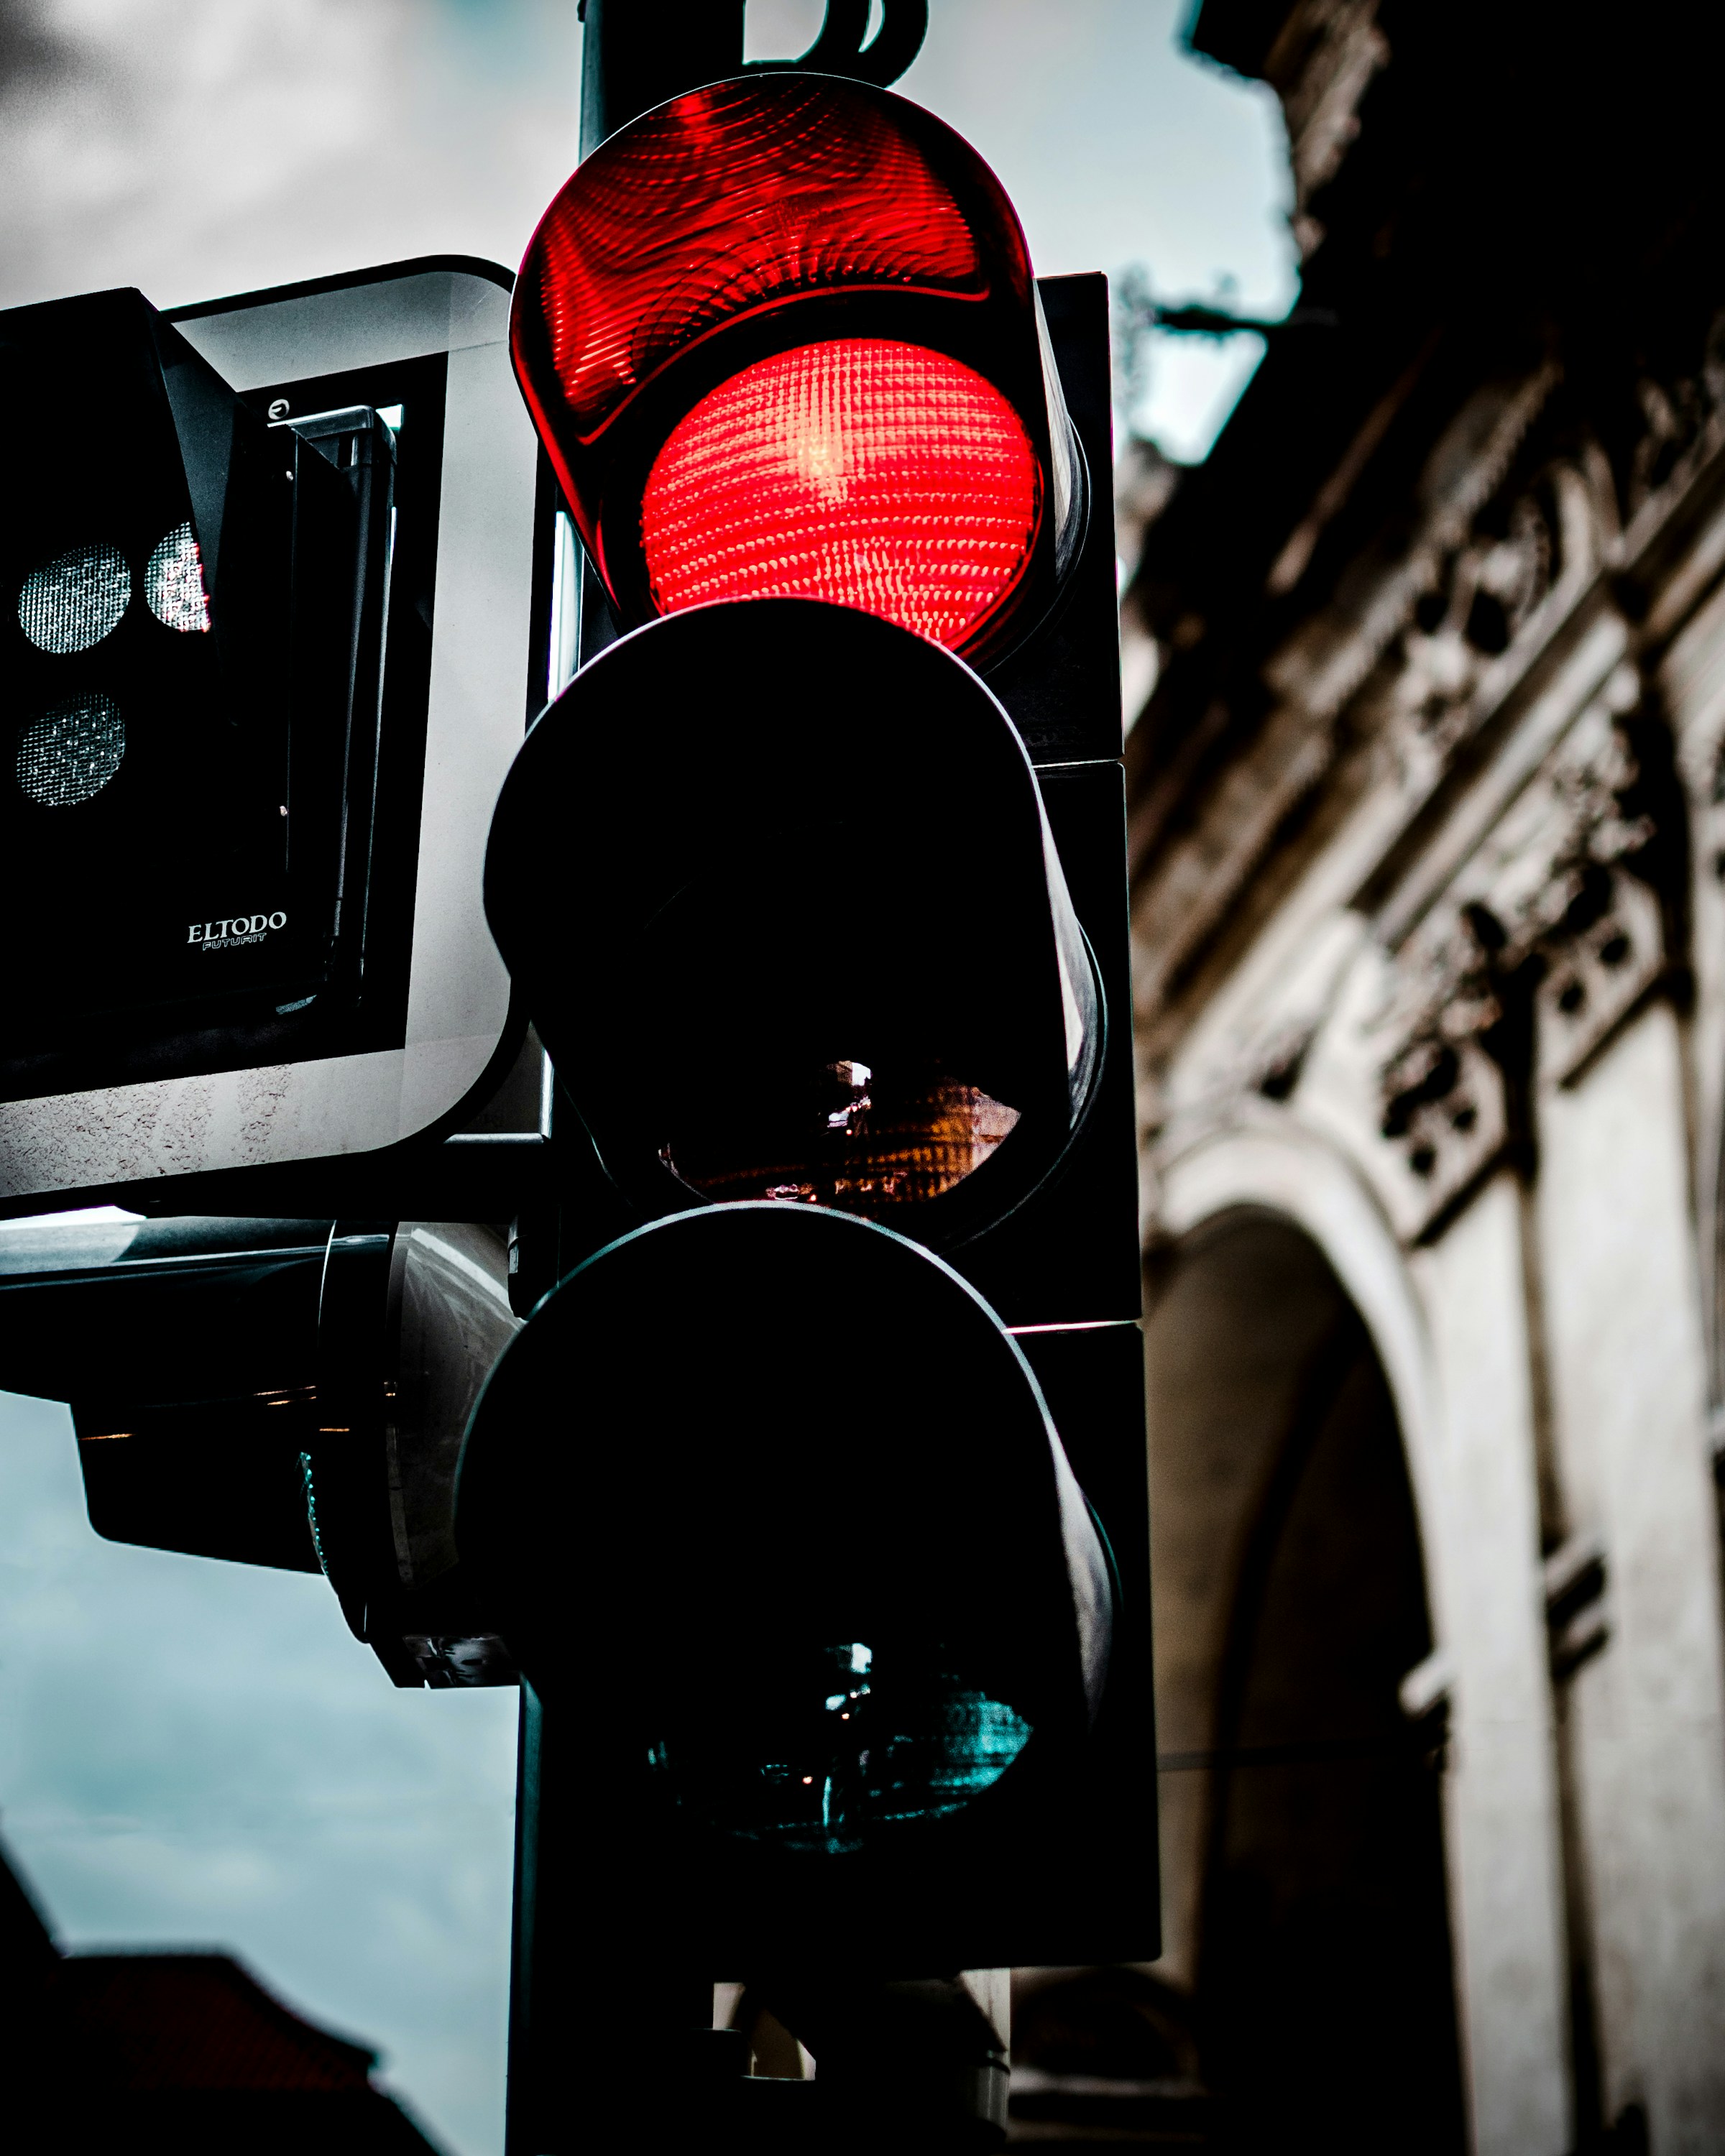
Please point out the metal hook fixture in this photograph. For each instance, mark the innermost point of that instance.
(839, 49)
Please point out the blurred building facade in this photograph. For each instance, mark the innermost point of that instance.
(1428, 921)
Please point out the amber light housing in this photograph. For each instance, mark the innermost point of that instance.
(780, 338)
(777, 881)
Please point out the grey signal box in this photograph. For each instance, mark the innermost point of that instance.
(248, 763)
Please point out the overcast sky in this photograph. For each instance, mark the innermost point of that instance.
(196, 1754)
(199, 1754)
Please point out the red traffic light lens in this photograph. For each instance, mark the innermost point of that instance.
(780, 338)
(877, 474)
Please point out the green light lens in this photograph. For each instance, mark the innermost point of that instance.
(839, 1751)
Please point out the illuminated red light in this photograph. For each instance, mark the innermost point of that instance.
(779, 338)
(874, 474)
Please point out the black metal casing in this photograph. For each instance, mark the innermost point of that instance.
(192, 1417)
(191, 764)
(1058, 1262)
(732, 1442)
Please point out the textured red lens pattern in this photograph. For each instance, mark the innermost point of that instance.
(877, 474)
(824, 189)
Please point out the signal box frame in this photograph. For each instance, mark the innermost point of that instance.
(213, 1137)
(1063, 1271)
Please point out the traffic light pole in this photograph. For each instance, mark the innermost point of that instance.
(574, 2026)
(636, 54)
(594, 2043)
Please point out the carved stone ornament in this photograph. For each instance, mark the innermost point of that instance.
(1596, 976)
(1444, 1103)
(1551, 921)
(1548, 537)
(1681, 419)
(1322, 63)
(1574, 905)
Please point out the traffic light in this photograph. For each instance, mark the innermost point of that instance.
(248, 959)
(187, 1349)
(780, 338)
(192, 642)
(282, 1393)
(814, 1509)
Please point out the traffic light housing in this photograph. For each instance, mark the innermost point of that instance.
(830, 960)
(767, 1500)
(817, 897)
(413, 1316)
(284, 1393)
(192, 1410)
(401, 618)
(191, 630)
(827, 378)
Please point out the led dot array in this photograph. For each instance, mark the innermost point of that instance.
(69, 754)
(874, 474)
(74, 601)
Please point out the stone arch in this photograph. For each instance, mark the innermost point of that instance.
(1306, 1897)
(1294, 1173)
